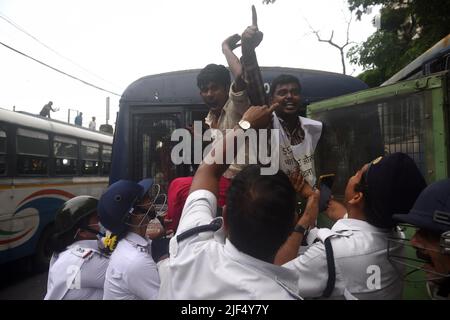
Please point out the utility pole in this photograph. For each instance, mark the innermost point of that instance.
(107, 109)
(68, 115)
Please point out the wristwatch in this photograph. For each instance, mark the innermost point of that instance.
(300, 229)
(244, 124)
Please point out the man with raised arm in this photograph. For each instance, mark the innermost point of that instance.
(45, 111)
(227, 101)
(299, 136)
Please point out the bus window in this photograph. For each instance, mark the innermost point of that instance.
(356, 134)
(66, 154)
(106, 159)
(197, 115)
(89, 157)
(46, 153)
(2, 152)
(403, 126)
(154, 148)
(32, 152)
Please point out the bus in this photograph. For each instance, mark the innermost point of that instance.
(43, 163)
(435, 59)
(152, 107)
(409, 113)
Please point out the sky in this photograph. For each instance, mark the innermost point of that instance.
(112, 43)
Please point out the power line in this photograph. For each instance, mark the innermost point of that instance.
(15, 25)
(57, 70)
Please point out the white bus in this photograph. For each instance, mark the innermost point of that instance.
(43, 163)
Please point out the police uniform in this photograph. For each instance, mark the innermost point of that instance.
(362, 269)
(132, 274)
(77, 273)
(205, 265)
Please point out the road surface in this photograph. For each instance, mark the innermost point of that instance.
(19, 282)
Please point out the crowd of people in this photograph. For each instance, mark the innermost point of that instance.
(235, 233)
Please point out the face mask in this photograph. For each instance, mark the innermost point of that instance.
(154, 208)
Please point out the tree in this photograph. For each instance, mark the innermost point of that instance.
(330, 41)
(408, 28)
(334, 44)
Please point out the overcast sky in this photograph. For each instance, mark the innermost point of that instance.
(115, 42)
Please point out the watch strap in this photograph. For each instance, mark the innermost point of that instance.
(300, 229)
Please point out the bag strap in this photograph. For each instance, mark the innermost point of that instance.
(215, 225)
(331, 268)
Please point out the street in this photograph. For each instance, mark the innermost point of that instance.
(19, 282)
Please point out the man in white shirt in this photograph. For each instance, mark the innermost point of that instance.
(233, 260)
(126, 210)
(92, 124)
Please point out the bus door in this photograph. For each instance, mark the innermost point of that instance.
(6, 195)
(152, 145)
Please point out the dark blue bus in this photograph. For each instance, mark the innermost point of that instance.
(153, 106)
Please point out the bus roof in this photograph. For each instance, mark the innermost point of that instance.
(180, 87)
(415, 68)
(40, 123)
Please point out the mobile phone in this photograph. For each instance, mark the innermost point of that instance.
(325, 185)
(327, 180)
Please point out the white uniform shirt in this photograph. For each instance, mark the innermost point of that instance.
(204, 267)
(132, 273)
(362, 267)
(77, 273)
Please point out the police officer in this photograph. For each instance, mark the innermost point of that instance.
(431, 215)
(126, 209)
(350, 260)
(77, 268)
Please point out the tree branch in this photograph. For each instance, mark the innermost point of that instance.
(334, 44)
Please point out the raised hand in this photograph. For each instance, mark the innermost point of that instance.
(254, 17)
(231, 42)
(297, 181)
(252, 37)
(259, 116)
(309, 217)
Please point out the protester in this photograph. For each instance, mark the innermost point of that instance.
(299, 136)
(227, 101)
